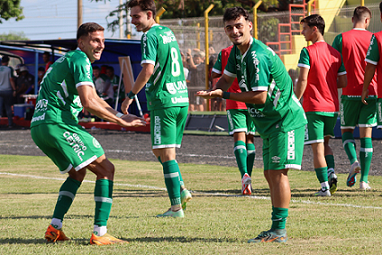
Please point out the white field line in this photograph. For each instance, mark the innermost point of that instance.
(204, 193)
(130, 152)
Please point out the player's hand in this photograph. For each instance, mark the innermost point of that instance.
(210, 94)
(365, 94)
(125, 105)
(130, 120)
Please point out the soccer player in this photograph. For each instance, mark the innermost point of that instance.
(353, 46)
(320, 66)
(66, 88)
(167, 96)
(241, 126)
(267, 90)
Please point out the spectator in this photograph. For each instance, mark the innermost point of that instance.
(197, 77)
(40, 73)
(7, 89)
(24, 84)
(103, 86)
(114, 80)
(46, 59)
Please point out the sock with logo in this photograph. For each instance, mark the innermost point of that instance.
(99, 230)
(66, 196)
(251, 152)
(241, 156)
(279, 216)
(103, 197)
(349, 145)
(171, 179)
(330, 162)
(365, 156)
(322, 176)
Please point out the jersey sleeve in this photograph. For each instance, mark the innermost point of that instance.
(218, 65)
(304, 59)
(372, 55)
(341, 70)
(230, 68)
(82, 71)
(149, 48)
(337, 43)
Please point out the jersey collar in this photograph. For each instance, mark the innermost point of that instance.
(361, 29)
(250, 44)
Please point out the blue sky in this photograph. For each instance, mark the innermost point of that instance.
(53, 19)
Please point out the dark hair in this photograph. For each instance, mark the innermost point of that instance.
(110, 68)
(46, 53)
(42, 69)
(5, 59)
(96, 68)
(315, 20)
(87, 28)
(146, 5)
(360, 12)
(234, 13)
(380, 7)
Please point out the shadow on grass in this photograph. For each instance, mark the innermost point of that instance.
(84, 241)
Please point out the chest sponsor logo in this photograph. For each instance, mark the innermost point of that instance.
(174, 87)
(76, 143)
(41, 105)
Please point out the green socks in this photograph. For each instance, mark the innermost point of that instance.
(172, 180)
(180, 176)
(251, 152)
(279, 216)
(240, 151)
(103, 197)
(349, 146)
(365, 156)
(66, 196)
(322, 176)
(330, 163)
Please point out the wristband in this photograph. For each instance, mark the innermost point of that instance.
(131, 95)
(226, 95)
(119, 115)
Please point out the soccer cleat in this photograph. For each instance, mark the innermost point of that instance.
(322, 193)
(106, 239)
(333, 183)
(185, 196)
(270, 236)
(169, 213)
(246, 185)
(364, 186)
(53, 235)
(354, 170)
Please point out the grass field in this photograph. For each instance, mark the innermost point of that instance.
(218, 220)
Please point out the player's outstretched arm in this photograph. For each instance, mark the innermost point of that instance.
(142, 79)
(95, 105)
(369, 74)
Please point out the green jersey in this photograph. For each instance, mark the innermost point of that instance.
(167, 86)
(260, 69)
(58, 100)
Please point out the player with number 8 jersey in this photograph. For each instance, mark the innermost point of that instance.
(167, 86)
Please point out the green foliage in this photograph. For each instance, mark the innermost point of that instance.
(268, 30)
(10, 9)
(13, 36)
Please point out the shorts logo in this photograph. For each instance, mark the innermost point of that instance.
(291, 146)
(157, 130)
(275, 159)
(96, 143)
(76, 143)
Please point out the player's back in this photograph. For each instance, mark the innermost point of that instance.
(355, 44)
(321, 93)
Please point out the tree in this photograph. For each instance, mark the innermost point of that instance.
(13, 36)
(196, 8)
(10, 9)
